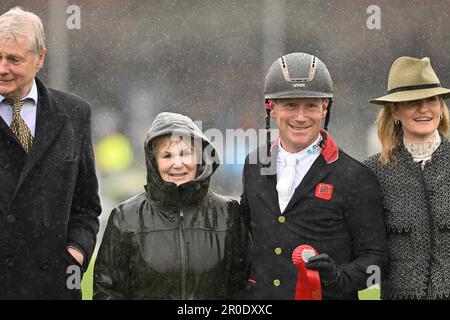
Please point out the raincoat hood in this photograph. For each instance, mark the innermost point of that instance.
(167, 194)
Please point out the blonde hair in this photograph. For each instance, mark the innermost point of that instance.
(391, 136)
(20, 23)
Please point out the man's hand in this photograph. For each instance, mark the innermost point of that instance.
(76, 254)
(325, 265)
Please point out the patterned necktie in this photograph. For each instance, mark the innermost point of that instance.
(19, 127)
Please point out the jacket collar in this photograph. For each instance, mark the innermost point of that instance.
(330, 153)
(167, 194)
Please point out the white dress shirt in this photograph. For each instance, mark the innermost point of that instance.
(292, 168)
(28, 111)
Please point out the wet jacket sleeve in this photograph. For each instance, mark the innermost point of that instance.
(111, 271)
(364, 216)
(240, 255)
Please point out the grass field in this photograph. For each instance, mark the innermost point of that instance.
(86, 285)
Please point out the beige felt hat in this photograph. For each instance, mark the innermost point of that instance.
(412, 79)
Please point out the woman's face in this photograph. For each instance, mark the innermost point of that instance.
(175, 160)
(419, 118)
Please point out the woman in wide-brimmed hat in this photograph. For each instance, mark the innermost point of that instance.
(413, 169)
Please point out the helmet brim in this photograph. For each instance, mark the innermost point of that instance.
(298, 95)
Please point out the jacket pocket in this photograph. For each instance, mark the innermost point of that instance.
(442, 241)
(70, 259)
(398, 223)
(400, 238)
(444, 228)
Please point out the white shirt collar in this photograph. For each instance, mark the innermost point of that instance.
(33, 94)
(311, 150)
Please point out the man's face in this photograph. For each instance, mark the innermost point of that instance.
(298, 121)
(18, 67)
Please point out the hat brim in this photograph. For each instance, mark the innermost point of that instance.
(411, 95)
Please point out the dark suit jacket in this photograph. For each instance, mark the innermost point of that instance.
(337, 209)
(48, 200)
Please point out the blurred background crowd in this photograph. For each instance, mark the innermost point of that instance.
(207, 59)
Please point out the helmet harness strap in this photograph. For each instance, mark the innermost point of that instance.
(327, 117)
(269, 143)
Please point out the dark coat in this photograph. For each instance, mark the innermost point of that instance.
(349, 227)
(48, 199)
(172, 242)
(418, 223)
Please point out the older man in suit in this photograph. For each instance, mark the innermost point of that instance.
(49, 204)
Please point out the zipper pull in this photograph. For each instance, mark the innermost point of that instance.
(181, 214)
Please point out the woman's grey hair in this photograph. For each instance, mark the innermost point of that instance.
(18, 22)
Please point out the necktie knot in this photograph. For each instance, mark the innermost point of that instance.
(290, 160)
(16, 105)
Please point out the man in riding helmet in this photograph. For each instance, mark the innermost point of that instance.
(303, 189)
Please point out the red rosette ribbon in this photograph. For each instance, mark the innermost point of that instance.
(308, 281)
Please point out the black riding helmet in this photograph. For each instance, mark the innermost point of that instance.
(297, 75)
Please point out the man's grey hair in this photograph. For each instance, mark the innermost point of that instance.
(20, 23)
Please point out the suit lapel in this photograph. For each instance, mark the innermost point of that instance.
(7, 130)
(319, 170)
(270, 194)
(48, 123)
(269, 171)
(4, 127)
(8, 135)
